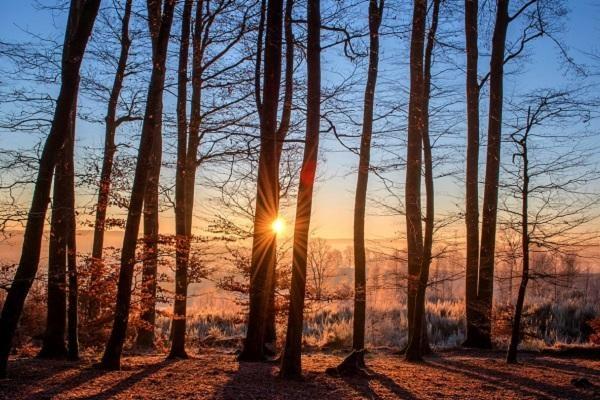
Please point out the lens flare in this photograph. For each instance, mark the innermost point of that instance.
(278, 226)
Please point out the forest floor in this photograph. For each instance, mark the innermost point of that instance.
(217, 375)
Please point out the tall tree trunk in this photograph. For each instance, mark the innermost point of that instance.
(145, 334)
(360, 267)
(428, 167)
(152, 120)
(472, 175)
(263, 254)
(360, 280)
(73, 297)
(291, 365)
(282, 131)
(515, 338)
(107, 162)
(82, 16)
(182, 239)
(53, 345)
(356, 360)
(61, 251)
(413, 179)
(492, 172)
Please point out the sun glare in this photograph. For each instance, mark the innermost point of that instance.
(278, 226)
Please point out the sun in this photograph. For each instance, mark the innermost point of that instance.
(278, 226)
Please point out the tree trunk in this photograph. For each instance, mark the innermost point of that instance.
(145, 334)
(53, 346)
(182, 241)
(472, 174)
(428, 166)
(62, 254)
(72, 311)
(79, 27)
(152, 120)
(413, 181)
(360, 278)
(291, 365)
(355, 362)
(515, 338)
(492, 172)
(284, 125)
(263, 254)
(107, 162)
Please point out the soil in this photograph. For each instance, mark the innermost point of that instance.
(217, 375)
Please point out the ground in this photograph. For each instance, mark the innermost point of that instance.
(217, 375)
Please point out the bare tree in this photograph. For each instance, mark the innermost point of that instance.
(111, 125)
(291, 365)
(152, 120)
(535, 15)
(263, 254)
(472, 168)
(82, 15)
(414, 229)
(356, 359)
(551, 181)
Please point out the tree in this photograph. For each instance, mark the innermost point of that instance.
(181, 240)
(291, 365)
(61, 245)
(472, 169)
(536, 14)
(492, 172)
(217, 31)
(82, 15)
(152, 120)
(421, 328)
(282, 131)
(71, 241)
(111, 125)
(263, 252)
(414, 228)
(550, 179)
(356, 359)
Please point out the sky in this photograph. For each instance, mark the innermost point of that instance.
(334, 197)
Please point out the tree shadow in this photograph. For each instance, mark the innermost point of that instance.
(90, 373)
(131, 380)
(23, 371)
(261, 381)
(503, 380)
(569, 367)
(361, 385)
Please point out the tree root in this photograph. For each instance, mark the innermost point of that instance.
(353, 365)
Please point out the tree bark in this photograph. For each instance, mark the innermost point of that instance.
(263, 255)
(413, 179)
(492, 172)
(282, 131)
(108, 160)
(79, 27)
(73, 297)
(291, 365)
(152, 120)
(145, 334)
(182, 239)
(472, 175)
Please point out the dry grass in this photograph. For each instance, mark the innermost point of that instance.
(217, 375)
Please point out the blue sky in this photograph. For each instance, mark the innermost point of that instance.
(541, 69)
